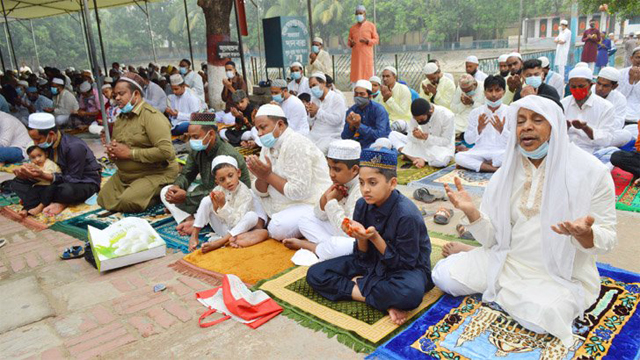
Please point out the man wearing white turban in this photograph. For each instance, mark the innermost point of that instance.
(546, 214)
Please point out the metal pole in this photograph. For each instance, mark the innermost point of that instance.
(520, 25)
(6, 24)
(35, 45)
(309, 11)
(94, 64)
(104, 54)
(244, 71)
(186, 16)
(4, 69)
(153, 46)
(84, 31)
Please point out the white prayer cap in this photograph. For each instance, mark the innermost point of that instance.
(610, 73)
(41, 121)
(503, 58)
(23, 83)
(564, 22)
(366, 84)
(42, 81)
(360, 8)
(106, 86)
(515, 54)
(84, 87)
(108, 79)
(344, 150)
(544, 60)
(270, 110)
(40, 69)
(430, 68)
(279, 83)
(223, 159)
(318, 40)
(57, 81)
(581, 72)
(581, 64)
(319, 75)
(381, 143)
(392, 69)
(176, 79)
(295, 64)
(71, 69)
(635, 50)
(472, 59)
(375, 79)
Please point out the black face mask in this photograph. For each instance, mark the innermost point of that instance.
(426, 121)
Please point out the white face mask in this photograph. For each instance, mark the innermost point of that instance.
(230, 74)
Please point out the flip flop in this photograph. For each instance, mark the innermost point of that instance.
(3, 242)
(424, 195)
(463, 233)
(73, 252)
(406, 165)
(443, 216)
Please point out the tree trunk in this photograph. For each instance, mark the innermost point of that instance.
(217, 18)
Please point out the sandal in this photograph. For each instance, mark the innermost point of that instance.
(443, 216)
(424, 195)
(73, 252)
(463, 233)
(3, 242)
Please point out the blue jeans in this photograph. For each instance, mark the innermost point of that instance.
(10, 155)
(180, 128)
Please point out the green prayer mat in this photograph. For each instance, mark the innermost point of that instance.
(406, 176)
(630, 199)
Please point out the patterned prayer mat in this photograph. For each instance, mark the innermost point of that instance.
(630, 199)
(406, 176)
(250, 264)
(8, 168)
(621, 179)
(167, 230)
(246, 152)
(7, 199)
(42, 221)
(355, 324)
(472, 181)
(466, 328)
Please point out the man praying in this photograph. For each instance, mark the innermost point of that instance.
(437, 88)
(468, 96)
(366, 120)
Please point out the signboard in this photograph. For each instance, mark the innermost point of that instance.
(228, 50)
(286, 40)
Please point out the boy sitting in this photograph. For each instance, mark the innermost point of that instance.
(41, 193)
(390, 268)
(231, 209)
(323, 228)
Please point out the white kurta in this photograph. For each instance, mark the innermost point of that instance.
(156, 97)
(185, 105)
(462, 111)
(321, 64)
(562, 50)
(554, 79)
(328, 123)
(480, 76)
(632, 93)
(438, 149)
(598, 113)
(490, 145)
(444, 92)
(194, 81)
(526, 290)
(296, 114)
(302, 87)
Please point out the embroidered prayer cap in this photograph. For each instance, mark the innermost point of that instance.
(270, 110)
(296, 64)
(32, 89)
(375, 79)
(108, 79)
(515, 54)
(393, 70)
(279, 83)
(23, 83)
(382, 158)
(466, 80)
(503, 58)
(42, 81)
(203, 117)
(106, 86)
(57, 81)
(610, 73)
(564, 22)
(344, 150)
(238, 96)
(41, 121)
(361, 8)
(635, 50)
(366, 84)
(176, 79)
(581, 72)
(472, 59)
(134, 79)
(84, 87)
(430, 68)
(223, 159)
(319, 75)
(544, 60)
(318, 40)
(581, 64)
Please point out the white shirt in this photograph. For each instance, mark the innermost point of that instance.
(296, 159)
(562, 50)
(236, 205)
(299, 88)
(296, 114)
(185, 105)
(632, 93)
(13, 133)
(619, 103)
(554, 79)
(480, 76)
(598, 113)
(194, 81)
(462, 111)
(489, 138)
(322, 63)
(155, 96)
(65, 103)
(335, 211)
(328, 123)
(441, 140)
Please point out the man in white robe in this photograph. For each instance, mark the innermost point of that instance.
(192, 79)
(468, 96)
(544, 217)
(471, 65)
(326, 111)
(606, 87)
(486, 130)
(551, 77)
(396, 99)
(299, 83)
(291, 173)
(293, 107)
(430, 140)
(562, 49)
(182, 103)
(630, 88)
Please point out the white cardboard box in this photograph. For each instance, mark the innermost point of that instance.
(101, 244)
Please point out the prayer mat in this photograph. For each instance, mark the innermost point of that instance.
(355, 324)
(7, 199)
(466, 328)
(250, 264)
(167, 230)
(630, 199)
(77, 225)
(8, 168)
(406, 176)
(621, 179)
(246, 152)
(472, 181)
